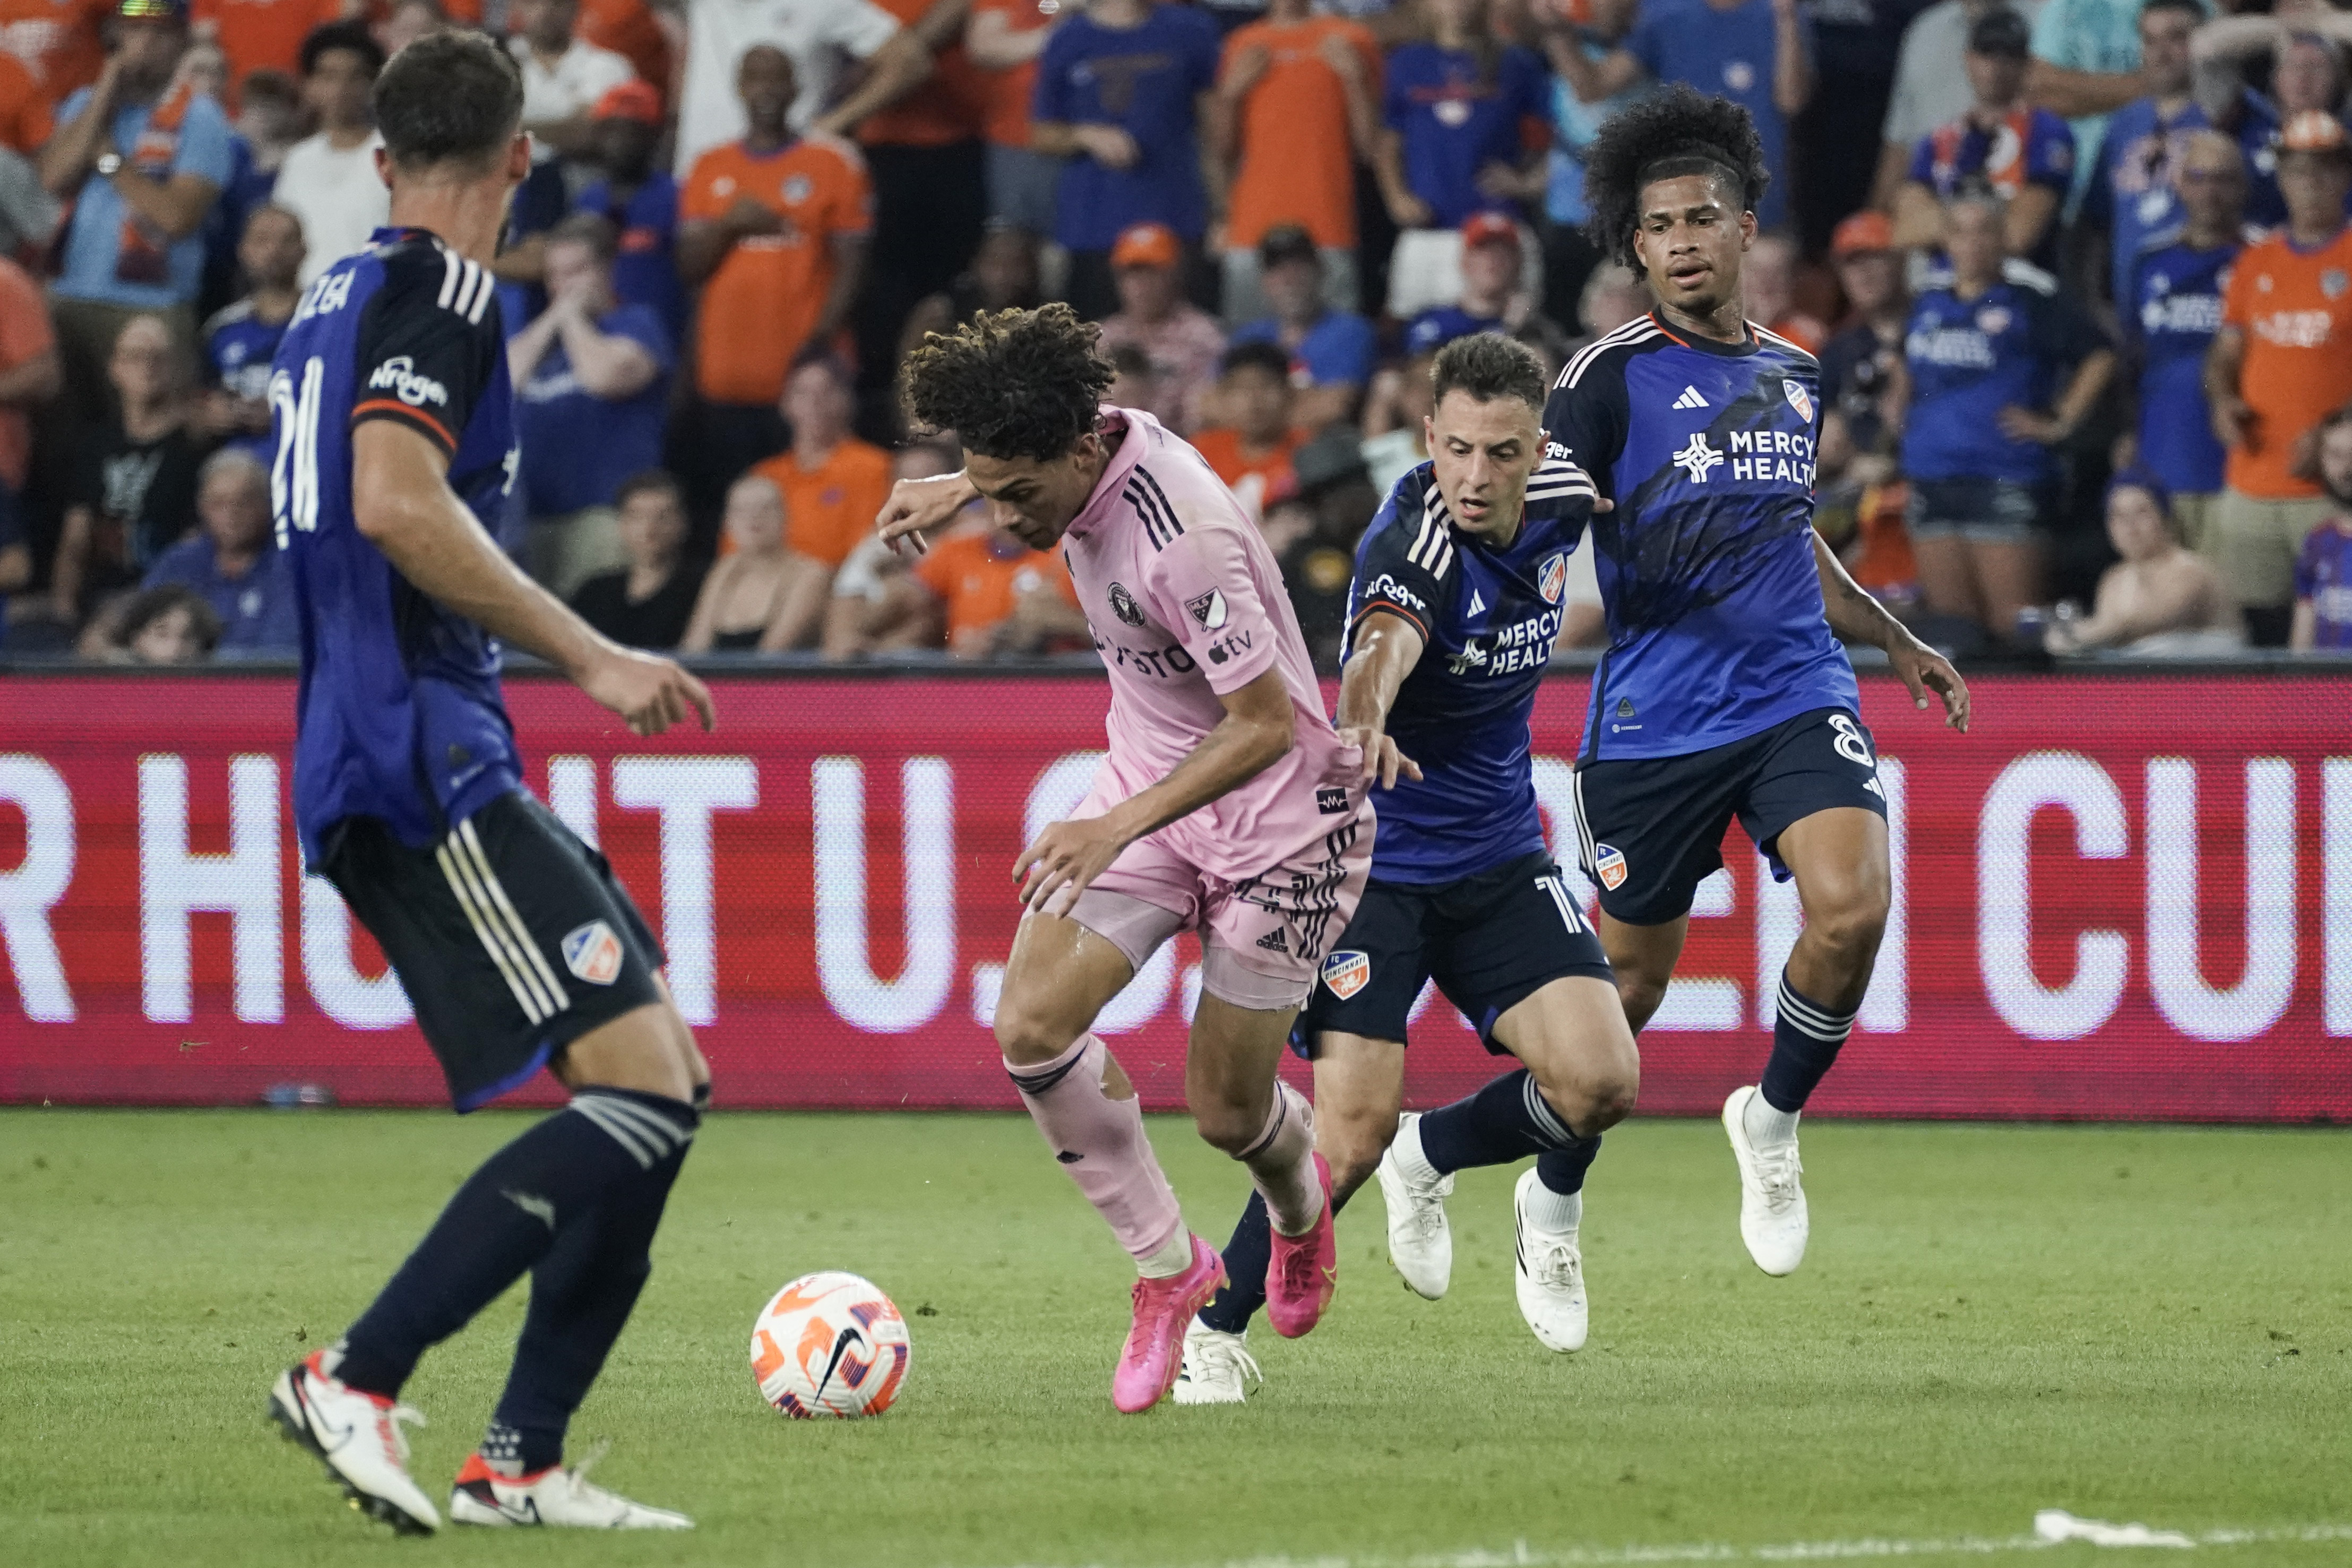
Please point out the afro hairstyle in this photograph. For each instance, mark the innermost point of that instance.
(1010, 383)
(1671, 133)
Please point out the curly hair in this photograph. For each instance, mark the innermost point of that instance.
(1668, 134)
(1010, 383)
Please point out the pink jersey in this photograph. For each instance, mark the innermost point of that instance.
(1185, 603)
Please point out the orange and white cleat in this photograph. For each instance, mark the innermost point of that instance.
(559, 1495)
(357, 1436)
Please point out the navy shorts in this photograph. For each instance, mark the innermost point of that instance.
(1650, 830)
(1490, 942)
(511, 936)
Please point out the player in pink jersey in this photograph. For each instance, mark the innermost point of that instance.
(1226, 806)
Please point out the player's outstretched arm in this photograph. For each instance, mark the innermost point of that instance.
(917, 506)
(404, 507)
(1256, 732)
(1855, 616)
(1385, 648)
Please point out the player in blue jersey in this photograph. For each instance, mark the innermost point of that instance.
(1458, 600)
(519, 951)
(1724, 692)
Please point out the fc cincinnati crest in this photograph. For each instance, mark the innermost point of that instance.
(1799, 400)
(1553, 579)
(593, 953)
(1609, 863)
(1345, 974)
(1123, 605)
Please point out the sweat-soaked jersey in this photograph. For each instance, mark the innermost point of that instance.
(1706, 564)
(399, 715)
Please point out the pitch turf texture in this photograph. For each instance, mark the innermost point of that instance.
(2127, 1322)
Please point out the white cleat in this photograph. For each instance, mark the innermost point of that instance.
(1218, 1367)
(1421, 1244)
(559, 1496)
(357, 1436)
(1550, 1278)
(1772, 1217)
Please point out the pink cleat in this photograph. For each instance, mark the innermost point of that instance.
(1153, 1354)
(1304, 1269)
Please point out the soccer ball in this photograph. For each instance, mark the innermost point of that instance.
(830, 1344)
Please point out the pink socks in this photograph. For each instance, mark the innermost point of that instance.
(1281, 1162)
(1100, 1141)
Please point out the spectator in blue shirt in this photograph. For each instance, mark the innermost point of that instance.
(241, 341)
(2134, 202)
(2086, 65)
(142, 161)
(1331, 352)
(2170, 314)
(1758, 53)
(1122, 89)
(639, 199)
(2025, 154)
(592, 394)
(230, 562)
(1465, 125)
(2304, 47)
(1995, 376)
(1490, 272)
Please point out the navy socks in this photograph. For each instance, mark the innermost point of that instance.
(1501, 1124)
(1805, 1040)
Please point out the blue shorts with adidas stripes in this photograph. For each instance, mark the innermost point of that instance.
(1650, 830)
(1489, 940)
(511, 936)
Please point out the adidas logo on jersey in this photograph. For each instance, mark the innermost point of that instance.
(1274, 941)
(1690, 399)
(1477, 605)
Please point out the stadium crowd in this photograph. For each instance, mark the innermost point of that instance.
(2078, 273)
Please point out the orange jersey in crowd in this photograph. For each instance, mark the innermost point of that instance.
(979, 578)
(629, 28)
(1006, 95)
(828, 508)
(265, 34)
(1260, 481)
(59, 40)
(947, 108)
(761, 304)
(1297, 163)
(25, 335)
(2295, 309)
(26, 112)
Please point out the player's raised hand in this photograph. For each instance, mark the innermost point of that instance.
(1381, 759)
(1067, 855)
(1923, 669)
(650, 692)
(917, 506)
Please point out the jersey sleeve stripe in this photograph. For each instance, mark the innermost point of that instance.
(393, 408)
(1389, 607)
(1167, 508)
(1146, 511)
(1633, 332)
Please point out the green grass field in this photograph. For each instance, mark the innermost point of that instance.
(2130, 1323)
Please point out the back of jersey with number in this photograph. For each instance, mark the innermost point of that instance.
(400, 715)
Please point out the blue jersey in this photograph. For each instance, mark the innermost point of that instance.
(1488, 617)
(1731, 54)
(1970, 359)
(2136, 197)
(1433, 330)
(1706, 563)
(239, 348)
(399, 714)
(1456, 113)
(1144, 80)
(2174, 309)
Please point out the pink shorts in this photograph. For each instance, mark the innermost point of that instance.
(1261, 940)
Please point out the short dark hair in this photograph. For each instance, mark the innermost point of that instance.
(1011, 384)
(1259, 354)
(1488, 366)
(1666, 135)
(153, 605)
(647, 483)
(1129, 360)
(452, 96)
(353, 37)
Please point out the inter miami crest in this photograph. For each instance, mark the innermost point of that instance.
(1123, 605)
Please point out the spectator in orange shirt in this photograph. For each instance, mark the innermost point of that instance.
(1297, 103)
(26, 115)
(1184, 340)
(630, 29)
(2281, 363)
(774, 229)
(1768, 280)
(62, 42)
(832, 482)
(262, 35)
(1251, 450)
(868, 611)
(995, 596)
(1005, 38)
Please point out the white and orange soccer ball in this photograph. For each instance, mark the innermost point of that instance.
(830, 1343)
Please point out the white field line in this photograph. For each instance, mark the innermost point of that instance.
(1523, 1555)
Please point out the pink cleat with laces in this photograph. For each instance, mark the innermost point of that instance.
(1301, 1274)
(1153, 1354)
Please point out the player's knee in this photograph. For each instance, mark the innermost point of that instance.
(1851, 927)
(1640, 994)
(1594, 1095)
(1027, 1035)
(1229, 1126)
